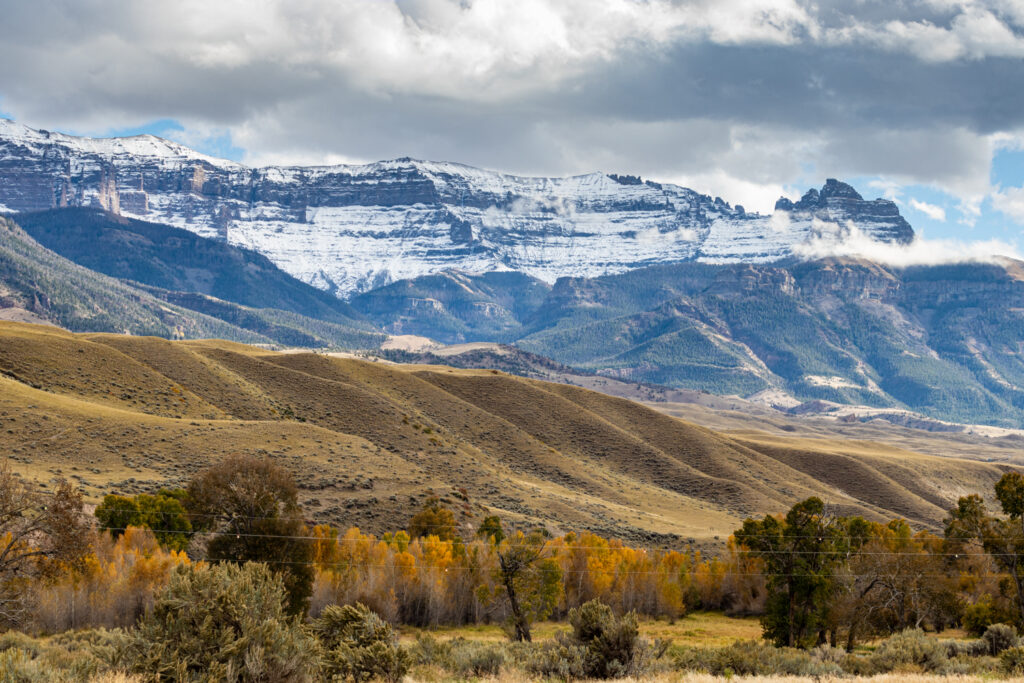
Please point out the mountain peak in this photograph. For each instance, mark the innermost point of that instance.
(835, 188)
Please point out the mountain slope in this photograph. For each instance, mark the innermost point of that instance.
(349, 229)
(941, 340)
(367, 441)
(178, 260)
(42, 285)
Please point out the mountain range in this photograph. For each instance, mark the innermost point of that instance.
(352, 228)
(612, 275)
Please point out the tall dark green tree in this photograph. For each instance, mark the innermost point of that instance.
(800, 553)
(251, 506)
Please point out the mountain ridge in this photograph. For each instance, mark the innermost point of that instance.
(938, 340)
(351, 228)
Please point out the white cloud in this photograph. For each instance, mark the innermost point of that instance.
(849, 241)
(936, 213)
(975, 32)
(1010, 202)
(737, 98)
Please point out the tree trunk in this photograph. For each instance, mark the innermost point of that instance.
(791, 639)
(1015, 571)
(522, 626)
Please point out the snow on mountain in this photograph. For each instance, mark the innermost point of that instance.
(350, 228)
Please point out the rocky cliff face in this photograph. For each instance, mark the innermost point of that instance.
(351, 228)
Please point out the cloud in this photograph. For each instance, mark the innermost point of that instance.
(849, 241)
(936, 213)
(739, 98)
(1010, 202)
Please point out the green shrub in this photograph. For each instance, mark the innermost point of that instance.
(557, 660)
(428, 650)
(1000, 637)
(909, 649)
(1012, 661)
(601, 645)
(967, 648)
(220, 622)
(467, 658)
(20, 641)
(966, 665)
(19, 666)
(982, 614)
(753, 658)
(359, 644)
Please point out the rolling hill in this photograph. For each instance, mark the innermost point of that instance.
(367, 441)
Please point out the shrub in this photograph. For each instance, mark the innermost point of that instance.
(220, 622)
(600, 645)
(1012, 661)
(428, 650)
(982, 614)
(57, 660)
(751, 658)
(911, 648)
(967, 648)
(19, 665)
(557, 660)
(1000, 637)
(468, 658)
(16, 640)
(964, 665)
(359, 644)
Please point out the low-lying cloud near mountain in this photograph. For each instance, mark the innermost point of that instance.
(921, 252)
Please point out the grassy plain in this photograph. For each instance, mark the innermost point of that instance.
(700, 629)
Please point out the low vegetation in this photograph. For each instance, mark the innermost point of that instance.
(279, 601)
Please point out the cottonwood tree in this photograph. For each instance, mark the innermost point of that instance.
(251, 507)
(38, 531)
(801, 553)
(895, 581)
(162, 513)
(1001, 537)
(531, 581)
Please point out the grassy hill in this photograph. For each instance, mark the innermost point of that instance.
(367, 441)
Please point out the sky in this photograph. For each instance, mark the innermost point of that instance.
(919, 101)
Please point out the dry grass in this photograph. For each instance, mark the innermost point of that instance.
(436, 675)
(703, 629)
(883, 678)
(367, 440)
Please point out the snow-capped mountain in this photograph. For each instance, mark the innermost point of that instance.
(350, 228)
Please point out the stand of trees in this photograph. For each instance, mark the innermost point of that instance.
(835, 578)
(814, 577)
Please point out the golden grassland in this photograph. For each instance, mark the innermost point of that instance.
(366, 441)
(681, 677)
(700, 629)
(435, 675)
